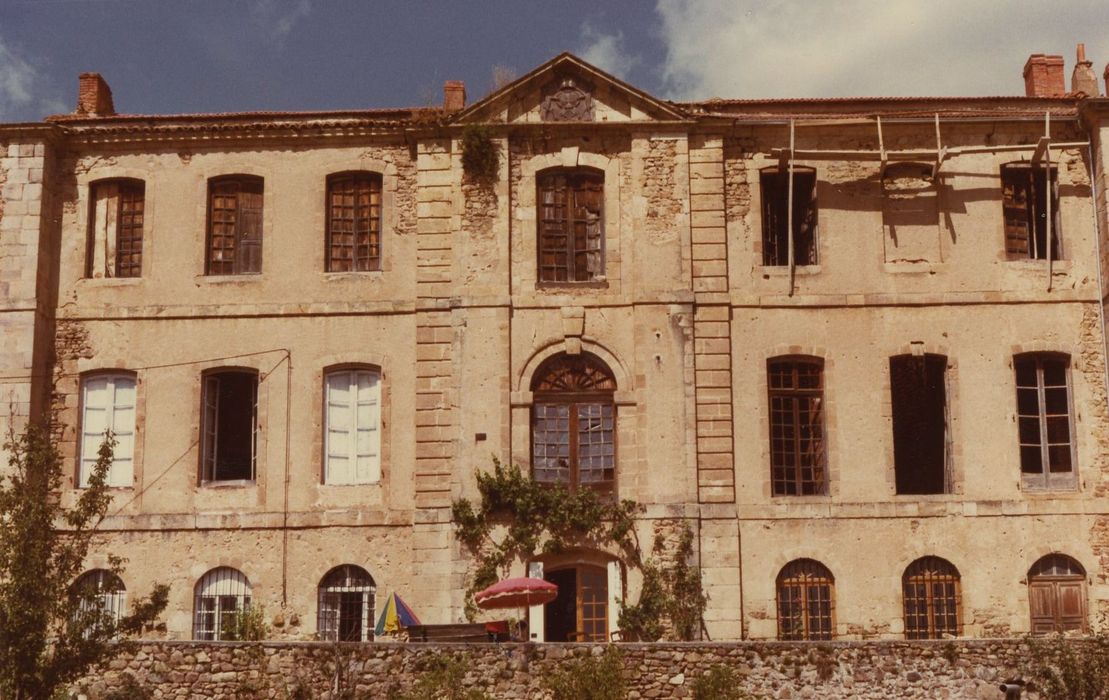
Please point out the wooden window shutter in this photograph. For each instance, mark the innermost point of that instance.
(1016, 199)
(248, 258)
(1071, 604)
(1041, 601)
(210, 422)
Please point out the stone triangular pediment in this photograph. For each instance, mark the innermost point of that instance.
(567, 89)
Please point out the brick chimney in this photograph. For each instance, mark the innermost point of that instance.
(1083, 79)
(454, 95)
(94, 97)
(1043, 76)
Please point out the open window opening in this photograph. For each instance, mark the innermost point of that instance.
(1057, 595)
(1044, 424)
(918, 394)
(1025, 189)
(932, 598)
(346, 605)
(571, 242)
(797, 449)
(774, 184)
(229, 426)
(115, 237)
(805, 588)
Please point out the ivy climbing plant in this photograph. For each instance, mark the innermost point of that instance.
(518, 518)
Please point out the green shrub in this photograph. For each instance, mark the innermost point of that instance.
(590, 678)
(719, 683)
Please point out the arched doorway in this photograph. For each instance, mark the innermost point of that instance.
(580, 612)
(1057, 595)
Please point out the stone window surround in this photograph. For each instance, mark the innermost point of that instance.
(331, 363)
(525, 218)
(624, 398)
(1075, 368)
(831, 450)
(389, 214)
(70, 416)
(85, 182)
(244, 364)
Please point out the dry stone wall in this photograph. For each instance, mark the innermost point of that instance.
(780, 670)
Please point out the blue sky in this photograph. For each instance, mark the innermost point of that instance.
(171, 56)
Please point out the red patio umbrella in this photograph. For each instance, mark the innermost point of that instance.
(516, 593)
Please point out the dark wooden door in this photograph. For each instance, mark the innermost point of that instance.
(560, 617)
(1057, 605)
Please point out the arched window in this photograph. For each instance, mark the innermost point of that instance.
(932, 599)
(805, 604)
(116, 213)
(571, 241)
(99, 597)
(220, 595)
(108, 405)
(352, 451)
(1057, 595)
(573, 423)
(1044, 424)
(234, 225)
(346, 605)
(797, 454)
(354, 222)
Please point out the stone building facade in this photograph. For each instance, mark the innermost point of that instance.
(857, 345)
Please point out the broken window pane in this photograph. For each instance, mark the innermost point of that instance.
(234, 226)
(354, 222)
(571, 243)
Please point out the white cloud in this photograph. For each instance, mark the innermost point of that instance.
(779, 48)
(24, 92)
(278, 17)
(607, 51)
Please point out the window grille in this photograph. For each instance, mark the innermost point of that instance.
(805, 604)
(100, 598)
(346, 605)
(932, 599)
(108, 405)
(220, 596)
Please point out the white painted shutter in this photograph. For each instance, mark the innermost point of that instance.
(108, 403)
(339, 424)
(615, 596)
(122, 472)
(368, 442)
(104, 214)
(536, 621)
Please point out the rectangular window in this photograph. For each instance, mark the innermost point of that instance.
(108, 404)
(229, 426)
(1024, 192)
(235, 226)
(116, 228)
(353, 449)
(354, 222)
(1044, 424)
(775, 216)
(919, 397)
(797, 454)
(571, 225)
